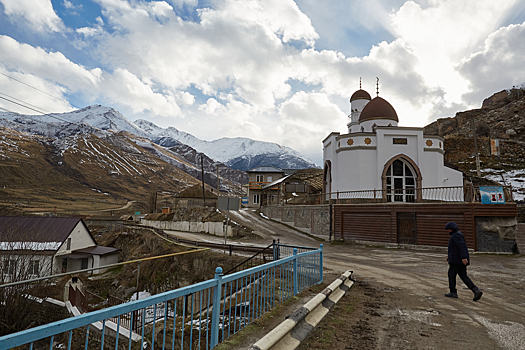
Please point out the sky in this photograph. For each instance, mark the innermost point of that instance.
(276, 70)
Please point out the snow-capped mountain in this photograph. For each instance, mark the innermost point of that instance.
(85, 120)
(238, 153)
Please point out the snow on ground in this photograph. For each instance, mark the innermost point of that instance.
(514, 178)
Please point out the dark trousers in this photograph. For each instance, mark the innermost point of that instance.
(461, 270)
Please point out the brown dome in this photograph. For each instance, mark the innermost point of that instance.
(360, 95)
(378, 108)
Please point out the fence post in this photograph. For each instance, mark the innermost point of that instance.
(295, 289)
(273, 248)
(216, 311)
(321, 264)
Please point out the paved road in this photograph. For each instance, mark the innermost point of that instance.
(417, 315)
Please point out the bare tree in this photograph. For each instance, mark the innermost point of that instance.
(20, 260)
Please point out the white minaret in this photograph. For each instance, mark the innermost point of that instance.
(358, 101)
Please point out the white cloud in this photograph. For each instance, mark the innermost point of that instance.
(442, 32)
(499, 65)
(38, 14)
(70, 6)
(58, 75)
(211, 106)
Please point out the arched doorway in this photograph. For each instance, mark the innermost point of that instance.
(401, 180)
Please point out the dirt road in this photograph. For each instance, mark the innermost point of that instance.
(398, 301)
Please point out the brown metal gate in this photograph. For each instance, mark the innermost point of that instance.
(392, 223)
(406, 228)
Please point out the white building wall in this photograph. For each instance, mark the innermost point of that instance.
(23, 262)
(369, 174)
(80, 238)
(432, 170)
(455, 178)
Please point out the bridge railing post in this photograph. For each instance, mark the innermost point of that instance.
(295, 286)
(216, 311)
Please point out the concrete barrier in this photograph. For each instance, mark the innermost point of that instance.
(213, 228)
(292, 331)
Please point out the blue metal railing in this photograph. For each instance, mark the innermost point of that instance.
(195, 317)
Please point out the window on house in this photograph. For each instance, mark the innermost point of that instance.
(68, 245)
(269, 179)
(255, 199)
(9, 266)
(84, 264)
(259, 178)
(34, 267)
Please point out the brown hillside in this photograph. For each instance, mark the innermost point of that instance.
(83, 172)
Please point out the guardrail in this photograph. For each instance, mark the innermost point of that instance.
(196, 316)
(274, 251)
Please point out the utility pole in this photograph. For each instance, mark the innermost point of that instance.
(202, 175)
(218, 184)
(478, 172)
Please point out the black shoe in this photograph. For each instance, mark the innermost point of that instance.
(477, 294)
(454, 295)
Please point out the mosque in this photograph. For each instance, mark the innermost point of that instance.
(395, 163)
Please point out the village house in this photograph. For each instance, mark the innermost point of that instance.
(258, 178)
(41, 246)
(192, 198)
(303, 186)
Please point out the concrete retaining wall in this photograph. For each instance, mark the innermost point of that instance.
(313, 219)
(213, 228)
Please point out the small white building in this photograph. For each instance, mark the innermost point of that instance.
(40, 246)
(377, 154)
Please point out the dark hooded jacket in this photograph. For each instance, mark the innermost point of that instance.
(457, 246)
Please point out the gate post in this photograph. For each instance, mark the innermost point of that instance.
(295, 289)
(321, 265)
(216, 311)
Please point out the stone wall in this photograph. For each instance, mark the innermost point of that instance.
(48, 310)
(313, 219)
(496, 234)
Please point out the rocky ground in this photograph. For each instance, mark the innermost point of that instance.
(398, 300)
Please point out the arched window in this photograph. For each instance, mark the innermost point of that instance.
(362, 129)
(400, 182)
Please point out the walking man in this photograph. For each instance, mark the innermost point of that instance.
(458, 259)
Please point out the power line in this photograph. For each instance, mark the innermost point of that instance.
(21, 82)
(49, 115)
(7, 110)
(21, 105)
(27, 103)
